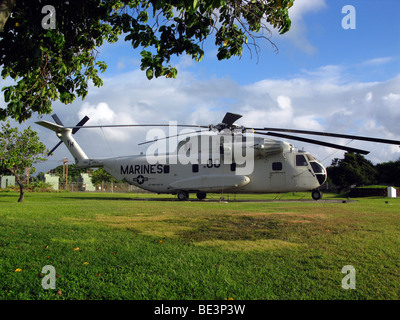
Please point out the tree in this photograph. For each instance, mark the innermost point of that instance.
(100, 176)
(389, 173)
(354, 169)
(18, 151)
(54, 60)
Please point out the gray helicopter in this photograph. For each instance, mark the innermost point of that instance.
(218, 158)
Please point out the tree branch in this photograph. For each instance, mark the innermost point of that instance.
(6, 7)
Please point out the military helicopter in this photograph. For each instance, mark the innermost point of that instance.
(229, 158)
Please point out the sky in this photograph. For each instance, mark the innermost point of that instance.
(324, 76)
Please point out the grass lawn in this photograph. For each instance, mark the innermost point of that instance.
(119, 246)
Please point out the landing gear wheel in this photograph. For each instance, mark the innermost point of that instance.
(183, 195)
(201, 195)
(316, 195)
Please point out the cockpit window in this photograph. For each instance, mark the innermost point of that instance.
(316, 167)
(301, 160)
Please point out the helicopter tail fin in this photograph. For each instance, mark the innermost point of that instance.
(65, 135)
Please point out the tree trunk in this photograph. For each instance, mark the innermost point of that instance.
(20, 182)
(21, 193)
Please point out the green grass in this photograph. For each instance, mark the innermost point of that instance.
(116, 246)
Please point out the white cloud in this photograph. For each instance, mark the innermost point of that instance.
(102, 114)
(98, 114)
(329, 74)
(392, 97)
(285, 103)
(376, 61)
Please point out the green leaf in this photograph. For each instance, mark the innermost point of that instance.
(7, 94)
(149, 73)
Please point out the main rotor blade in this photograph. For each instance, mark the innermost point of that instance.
(321, 143)
(175, 135)
(329, 134)
(137, 125)
(230, 118)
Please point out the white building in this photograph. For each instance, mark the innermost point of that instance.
(7, 181)
(53, 180)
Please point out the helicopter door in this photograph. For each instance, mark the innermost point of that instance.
(277, 176)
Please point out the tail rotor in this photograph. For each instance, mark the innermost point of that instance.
(74, 130)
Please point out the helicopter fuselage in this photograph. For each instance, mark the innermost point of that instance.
(225, 162)
(275, 166)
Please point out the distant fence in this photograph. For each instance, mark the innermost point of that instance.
(107, 187)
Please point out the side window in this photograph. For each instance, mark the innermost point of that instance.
(277, 166)
(166, 169)
(301, 160)
(195, 168)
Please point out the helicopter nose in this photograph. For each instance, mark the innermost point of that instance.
(321, 178)
(319, 171)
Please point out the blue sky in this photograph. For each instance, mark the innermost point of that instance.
(316, 39)
(323, 78)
